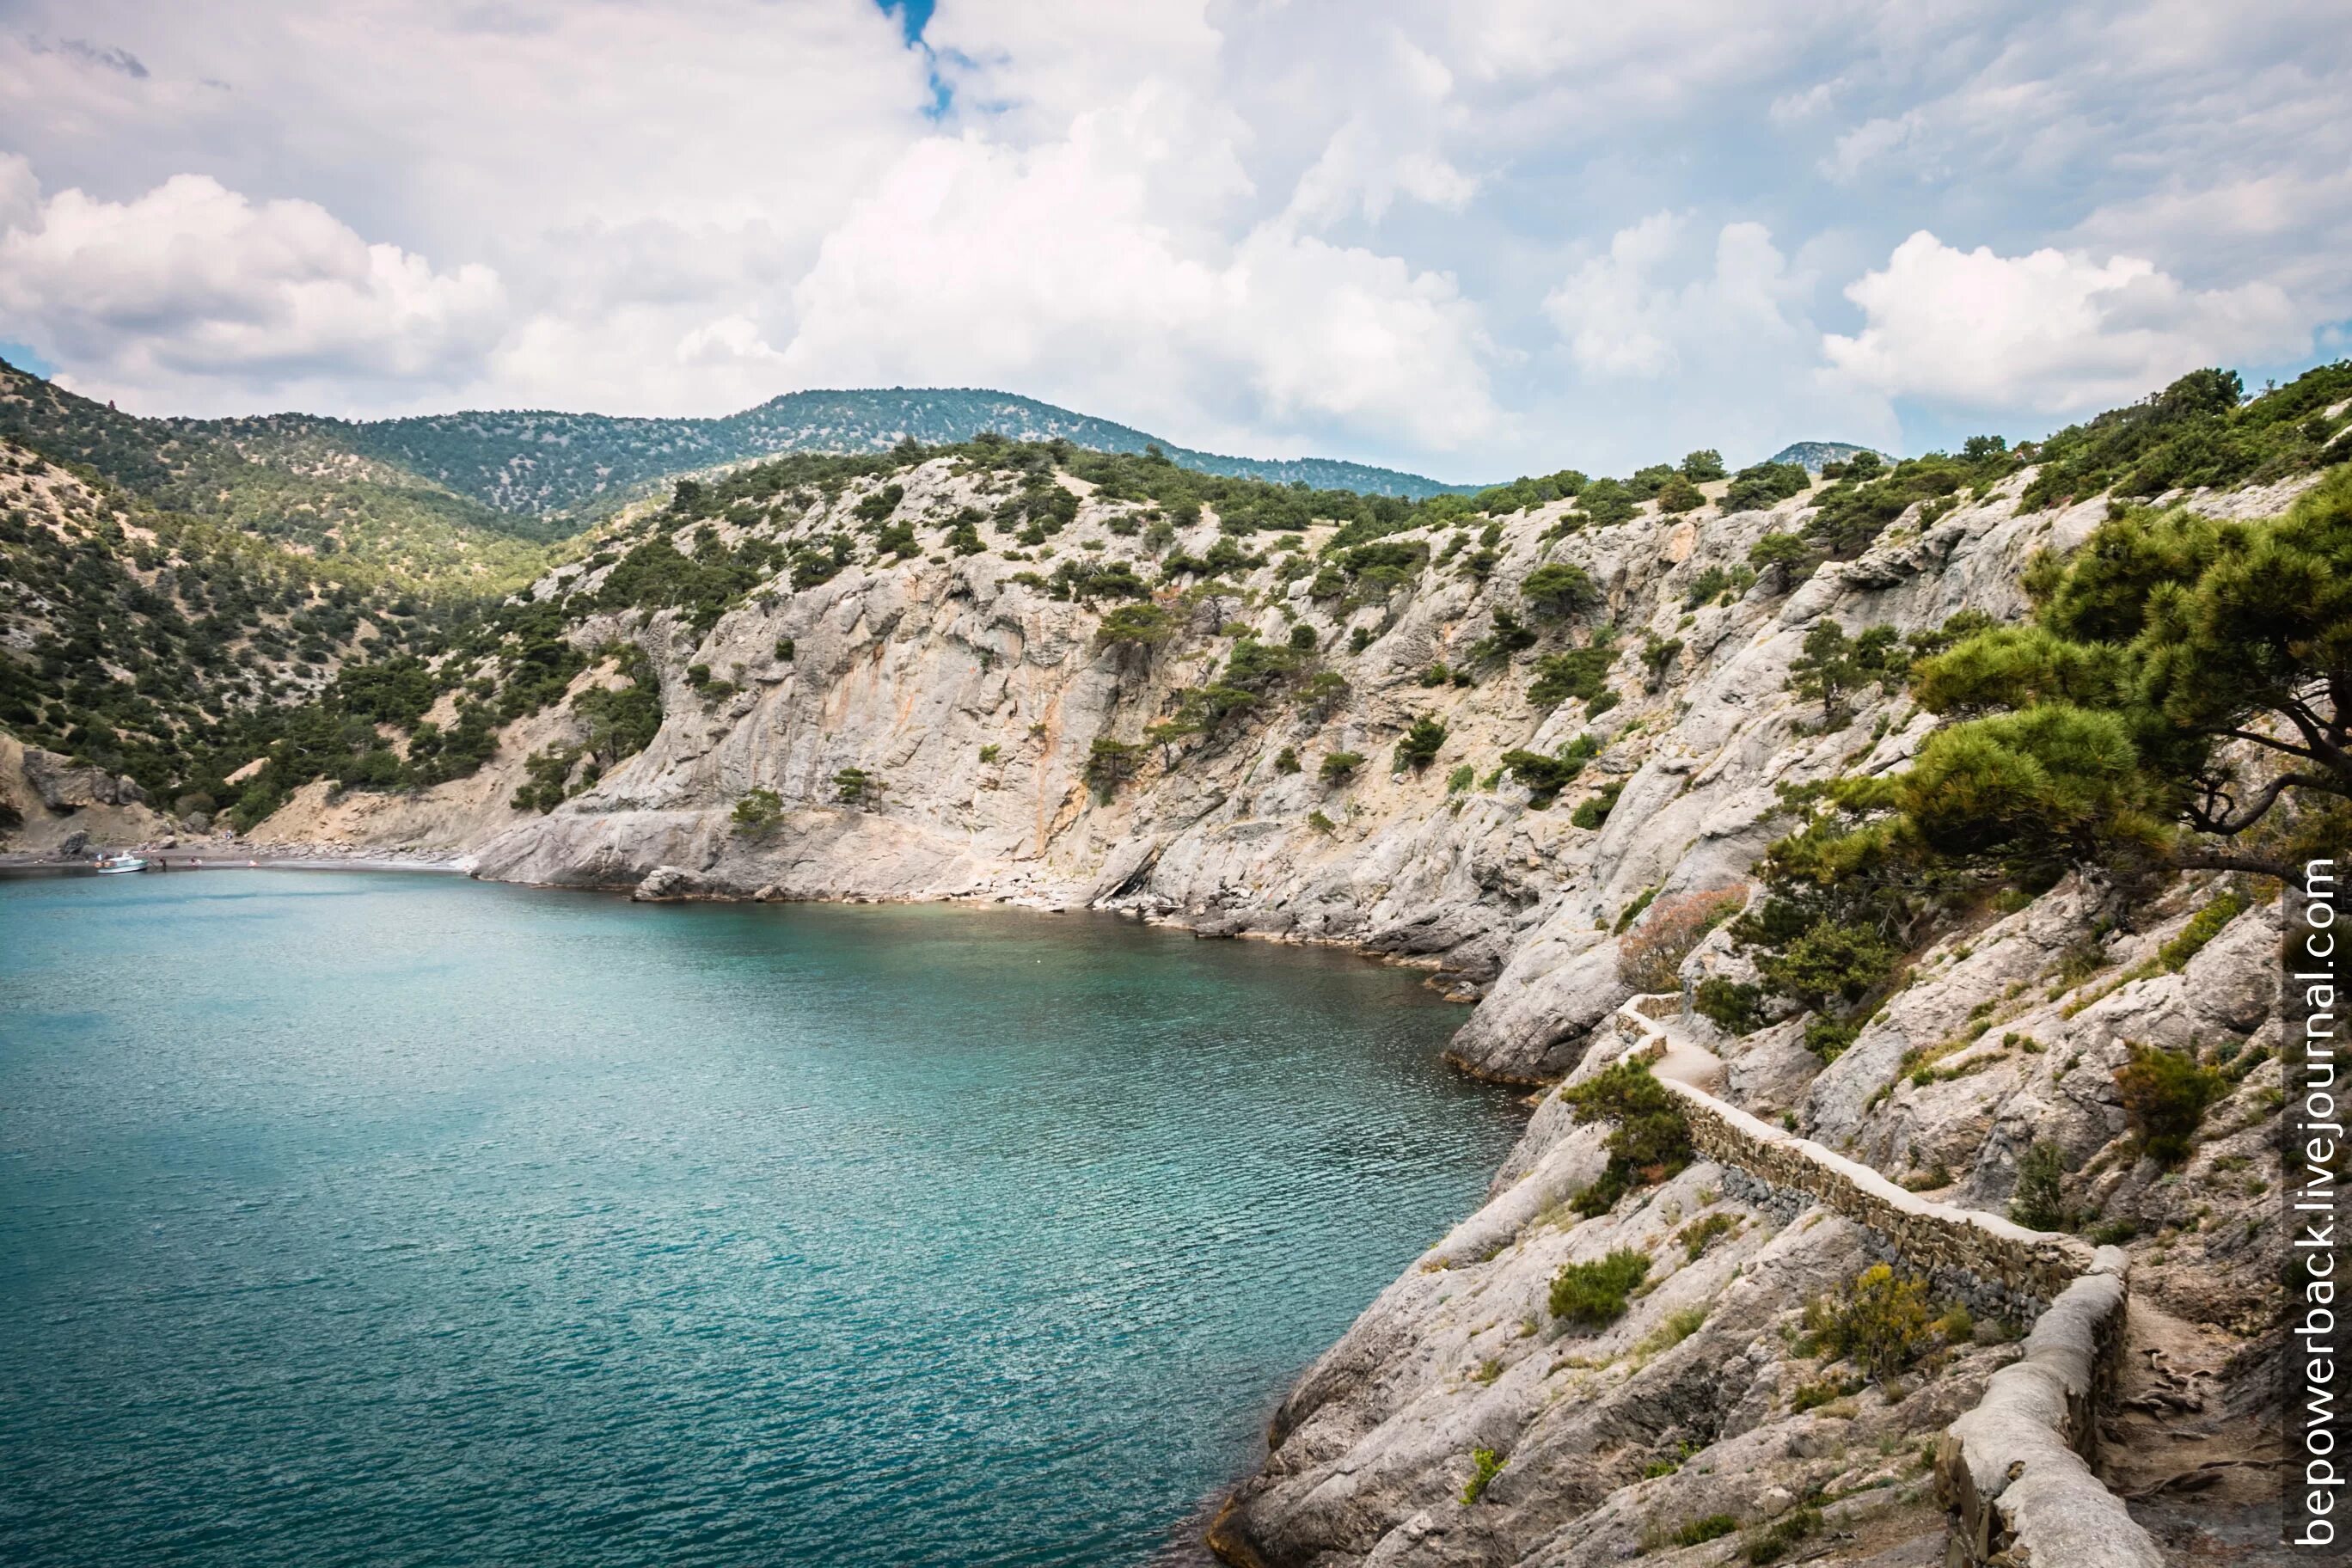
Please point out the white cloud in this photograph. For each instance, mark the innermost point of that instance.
(1624, 314)
(1396, 150)
(1704, 337)
(1871, 141)
(1357, 174)
(1611, 310)
(2053, 331)
(1096, 269)
(191, 283)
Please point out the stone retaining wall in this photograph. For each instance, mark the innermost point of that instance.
(2024, 1269)
(2016, 1470)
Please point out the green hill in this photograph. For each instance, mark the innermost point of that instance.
(458, 498)
(541, 462)
(286, 480)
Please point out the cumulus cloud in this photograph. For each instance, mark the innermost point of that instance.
(1398, 150)
(1658, 300)
(1702, 333)
(2053, 331)
(1097, 268)
(191, 282)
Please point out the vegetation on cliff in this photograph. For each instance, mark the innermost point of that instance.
(2175, 704)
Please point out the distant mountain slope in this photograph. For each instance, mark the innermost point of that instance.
(1811, 455)
(287, 480)
(539, 462)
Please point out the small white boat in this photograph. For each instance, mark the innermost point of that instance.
(113, 865)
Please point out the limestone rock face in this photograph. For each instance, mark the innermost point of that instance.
(927, 730)
(49, 802)
(974, 697)
(62, 787)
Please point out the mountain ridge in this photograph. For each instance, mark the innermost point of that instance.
(474, 485)
(847, 420)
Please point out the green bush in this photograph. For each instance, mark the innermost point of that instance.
(1725, 582)
(2156, 644)
(2036, 1203)
(546, 771)
(1595, 810)
(1285, 760)
(1704, 465)
(1593, 1294)
(1819, 963)
(1506, 638)
(1658, 653)
(1339, 767)
(1561, 588)
(1420, 744)
(1878, 1319)
(1783, 1536)
(1649, 1141)
(1699, 1532)
(856, 786)
(2164, 1095)
(1700, 1234)
(758, 811)
(1109, 764)
(1135, 626)
(1829, 1038)
(1732, 1006)
(1607, 502)
(1813, 1395)
(1544, 776)
(1785, 557)
(1679, 495)
(2195, 432)
(1581, 672)
(1765, 485)
(1833, 666)
(2202, 927)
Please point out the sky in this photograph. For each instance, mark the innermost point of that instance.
(1473, 238)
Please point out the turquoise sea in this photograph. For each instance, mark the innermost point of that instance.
(352, 1219)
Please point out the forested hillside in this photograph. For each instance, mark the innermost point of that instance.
(419, 489)
(284, 481)
(541, 462)
(147, 642)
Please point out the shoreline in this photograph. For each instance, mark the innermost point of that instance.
(323, 857)
(161, 862)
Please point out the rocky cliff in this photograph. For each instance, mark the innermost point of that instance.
(968, 697)
(974, 697)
